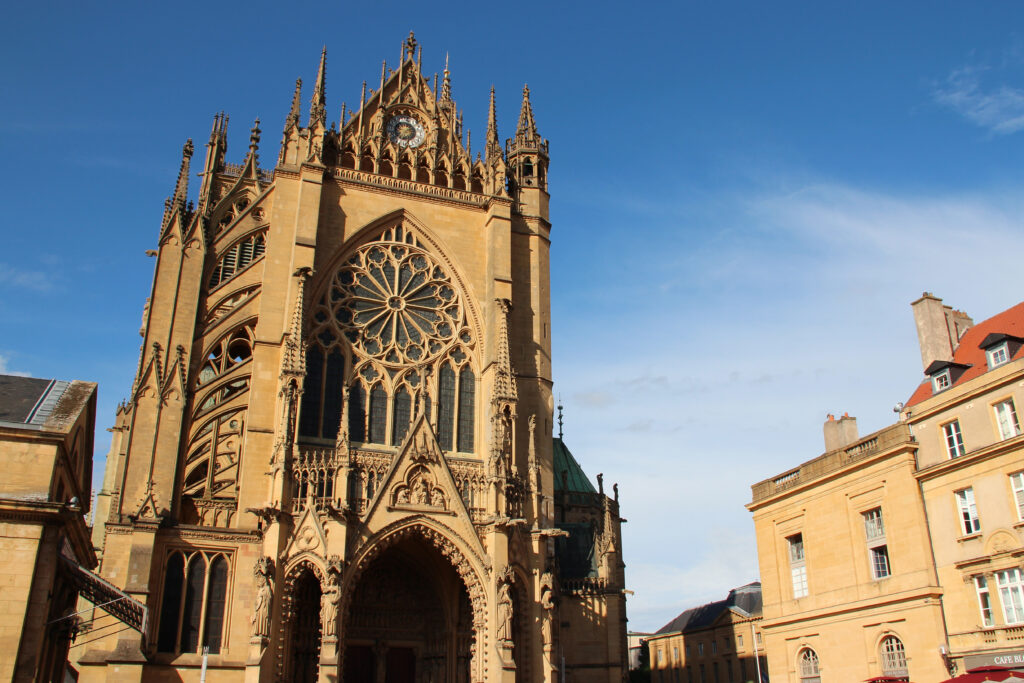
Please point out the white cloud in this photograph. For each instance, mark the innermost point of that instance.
(4, 370)
(37, 280)
(730, 382)
(1000, 109)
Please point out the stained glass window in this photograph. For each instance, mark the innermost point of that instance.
(332, 394)
(357, 412)
(378, 415)
(467, 389)
(215, 601)
(445, 407)
(171, 606)
(193, 607)
(402, 413)
(309, 422)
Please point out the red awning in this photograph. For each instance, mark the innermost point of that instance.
(988, 673)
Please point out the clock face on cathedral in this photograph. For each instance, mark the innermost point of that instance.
(405, 131)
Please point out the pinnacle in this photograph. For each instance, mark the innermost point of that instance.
(317, 109)
(526, 127)
(293, 114)
(492, 148)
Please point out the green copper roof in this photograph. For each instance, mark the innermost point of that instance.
(575, 478)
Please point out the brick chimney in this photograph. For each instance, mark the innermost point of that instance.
(840, 433)
(939, 328)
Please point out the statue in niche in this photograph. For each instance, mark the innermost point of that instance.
(264, 598)
(419, 492)
(547, 604)
(329, 605)
(505, 608)
(437, 498)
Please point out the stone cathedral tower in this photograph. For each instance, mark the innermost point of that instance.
(337, 460)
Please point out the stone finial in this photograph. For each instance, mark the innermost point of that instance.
(492, 148)
(181, 187)
(293, 114)
(254, 137)
(504, 381)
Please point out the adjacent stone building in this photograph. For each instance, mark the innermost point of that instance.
(46, 441)
(900, 554)
(717, 642)
(336, 461)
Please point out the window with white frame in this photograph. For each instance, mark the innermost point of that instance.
(954, 439)
(797, 565)
(941, 381)
(1006, 418)
(878, 549)
(807, 661)
(997, 355)
(675, 655)
(968, 511)
(1017, 481)
(739, 641)
(984, 600)
(894, 658)
(1011, 594)
(700, 649)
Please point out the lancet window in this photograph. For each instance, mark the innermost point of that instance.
(238, 257)
(194, 596)
(389, 339)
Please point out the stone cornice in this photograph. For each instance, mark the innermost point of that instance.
(380, 183)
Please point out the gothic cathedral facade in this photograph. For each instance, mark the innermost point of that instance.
(337, 462)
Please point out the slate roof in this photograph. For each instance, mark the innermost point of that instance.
(971, 352)
(575, 478)
(745, 601)
(28, 401)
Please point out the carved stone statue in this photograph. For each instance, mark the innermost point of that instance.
(419, 492)
(329, 605)
(547, 604)
(505, 608)
(264, 598)
(437, 498)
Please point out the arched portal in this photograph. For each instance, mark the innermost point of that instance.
(304, 628)
(410, 619)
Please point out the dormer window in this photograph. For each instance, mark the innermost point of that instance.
(944, 374)
(997, 355)
(941, 381)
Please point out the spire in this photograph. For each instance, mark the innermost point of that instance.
(318, 108)
(446, 86)
(293, 115)
(527, 128)
(504, 380)
(181, 188)
(492, 149)
(254, 138)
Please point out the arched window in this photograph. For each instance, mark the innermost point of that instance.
(808, 665)
(309, 421)
(401, 415)
(378, 415)
(467, 405)
(445, 407)
(894, 658)
(192, 607)
(333, 377)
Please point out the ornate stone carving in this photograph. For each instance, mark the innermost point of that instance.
(504, 606)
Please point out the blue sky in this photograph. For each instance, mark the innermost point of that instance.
(745, 198)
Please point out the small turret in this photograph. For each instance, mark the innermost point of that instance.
(527, 152)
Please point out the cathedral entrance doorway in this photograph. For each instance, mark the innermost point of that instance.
(305, 629)
(410, 620)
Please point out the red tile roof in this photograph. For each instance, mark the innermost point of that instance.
(1010, 321)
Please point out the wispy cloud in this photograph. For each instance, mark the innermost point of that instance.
(24, 278)
(5, 370)
(998, 108)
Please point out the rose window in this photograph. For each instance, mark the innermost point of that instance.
(394, 303)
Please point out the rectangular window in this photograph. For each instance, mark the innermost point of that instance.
(1011, 594)
(714, 649)
(675, 655)
(1006, 417)
(954, 440)
(1017, 480)
(700, 649)
(968, 511)
(984, 600)
(874, 528)
(739, 641)
(941, 381)
(797, 565)
(880, 562)
(997, 355)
